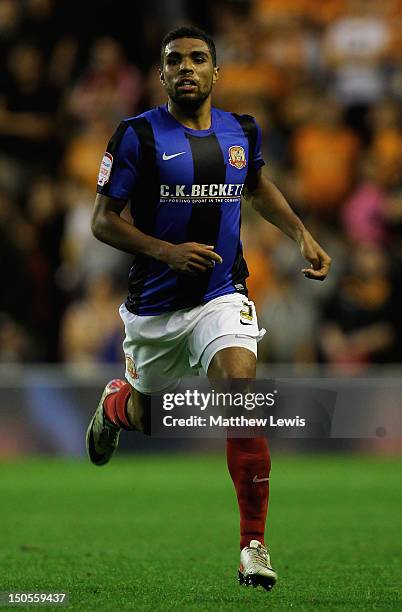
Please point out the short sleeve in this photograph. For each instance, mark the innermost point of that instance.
(119, 168)
(252, 132)
(257, 160)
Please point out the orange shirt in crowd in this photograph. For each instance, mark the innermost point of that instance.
(81, 160)
(316, 10)
(324, 160)
(261, 282)
(256, 80)
(387, 149)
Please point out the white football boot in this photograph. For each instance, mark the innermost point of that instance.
(102, 435)
(255, 566)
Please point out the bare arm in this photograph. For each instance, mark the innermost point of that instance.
(108, 226)
(268, 201)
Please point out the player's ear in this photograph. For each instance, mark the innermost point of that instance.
(216, 74)
(162, 78)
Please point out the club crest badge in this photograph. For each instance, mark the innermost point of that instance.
(246, 313)
(130, 367)
(105, 169)
(237, 157)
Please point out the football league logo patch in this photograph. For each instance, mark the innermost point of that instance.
(105, 169)
(237, 157)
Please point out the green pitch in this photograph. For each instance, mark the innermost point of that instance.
(160, 533)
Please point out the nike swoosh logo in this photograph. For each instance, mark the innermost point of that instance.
(256, 479)
(243, 323)
(167, 157)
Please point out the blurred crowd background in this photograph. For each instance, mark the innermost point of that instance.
(323, 79)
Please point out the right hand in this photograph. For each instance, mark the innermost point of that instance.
(191, 257)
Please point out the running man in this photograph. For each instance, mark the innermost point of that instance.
(184, 168)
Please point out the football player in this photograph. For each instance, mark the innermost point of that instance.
(184, 168)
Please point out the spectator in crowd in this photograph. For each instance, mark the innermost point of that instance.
(386, 142)
(15, 344)
(28, 107)
(81, 155)
(357, 47)
(363, 213)
(46, 217)
(108, 81)
(325, 153)
(82, 256)
(357, 323)
(290, 324)
(16, 237)
(107, 91)
(10, 23)
(91, 330)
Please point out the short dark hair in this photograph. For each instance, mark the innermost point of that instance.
(189, 32)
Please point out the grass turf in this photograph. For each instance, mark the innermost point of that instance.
(160, 533)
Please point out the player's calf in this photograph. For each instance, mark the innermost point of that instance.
(139, 411)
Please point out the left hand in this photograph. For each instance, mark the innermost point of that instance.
(319, 259)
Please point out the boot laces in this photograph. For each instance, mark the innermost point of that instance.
(259, 555)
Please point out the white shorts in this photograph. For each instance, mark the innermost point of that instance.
(161, 349)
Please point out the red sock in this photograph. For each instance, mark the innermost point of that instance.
(248, 462)
(115, 407)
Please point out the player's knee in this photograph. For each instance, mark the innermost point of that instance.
(233, 363)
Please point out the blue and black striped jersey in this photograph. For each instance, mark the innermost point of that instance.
(183, 185)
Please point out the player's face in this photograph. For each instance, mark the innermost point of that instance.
(188, 73)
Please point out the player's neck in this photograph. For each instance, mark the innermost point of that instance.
(195, 119)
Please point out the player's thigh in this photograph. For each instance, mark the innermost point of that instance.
(225, 337)
(155, 362)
